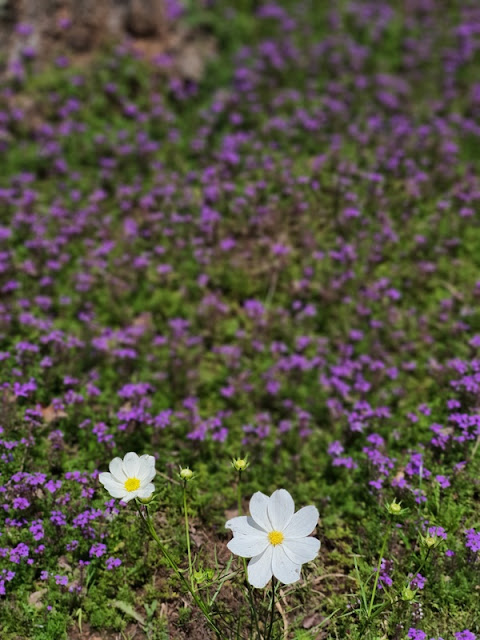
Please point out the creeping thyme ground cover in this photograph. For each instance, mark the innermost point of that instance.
(281, 261)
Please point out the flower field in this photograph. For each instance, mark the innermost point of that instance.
(277, 264)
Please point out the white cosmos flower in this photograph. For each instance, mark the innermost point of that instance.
(274, 537)
(130, 478)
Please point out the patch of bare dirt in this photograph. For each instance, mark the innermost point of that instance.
(43, 30)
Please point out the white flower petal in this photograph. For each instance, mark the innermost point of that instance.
(105, 476)
(283, 568)
(302, 523)
(148, 478)
(259, 568)
(280, 509)
(301, 550)
(237, 524)
(131, 464)
(146, 471)
(146, 491)
(129, 495)
(248, 546)
(244, 525)
(258, 510)
(114, 488)
(116, 469)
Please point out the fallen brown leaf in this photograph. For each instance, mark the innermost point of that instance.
(50, 414)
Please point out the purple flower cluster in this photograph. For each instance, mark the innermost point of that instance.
(472, 540)
(5, 576)
(418, 634)
(417, 582)
(465, 635)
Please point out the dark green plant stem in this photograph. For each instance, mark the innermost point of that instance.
(272, 611)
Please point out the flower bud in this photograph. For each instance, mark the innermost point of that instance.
(186, 474)
(145, 500)
(240, 464)
(408, 594)
(394, 508)
(202, 575)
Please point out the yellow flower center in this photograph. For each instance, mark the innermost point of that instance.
(132, 484)
(275, 537)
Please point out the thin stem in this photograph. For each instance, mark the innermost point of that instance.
(251, 602)
(271, 289)
(198, 601)
(422, 564)
(377, 576)
(187, 534)
(239, 493)
(272, 611)
(475, 448)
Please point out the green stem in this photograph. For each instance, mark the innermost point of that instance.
(239, 493)
(422, 565)
(187, 534)
(198, 601)
(251, 602)
(377, 576)
(272, 611)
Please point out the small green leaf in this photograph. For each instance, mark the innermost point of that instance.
(127, 608)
